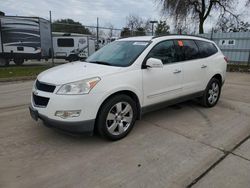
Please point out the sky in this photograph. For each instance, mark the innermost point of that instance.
(86, 11)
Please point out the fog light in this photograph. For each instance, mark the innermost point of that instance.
(68, 114)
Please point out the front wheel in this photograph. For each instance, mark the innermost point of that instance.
(212, 93)
(117, 117)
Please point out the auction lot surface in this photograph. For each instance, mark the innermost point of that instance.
(179, 146)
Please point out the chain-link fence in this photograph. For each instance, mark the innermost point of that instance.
(102, 35)
(235, 46)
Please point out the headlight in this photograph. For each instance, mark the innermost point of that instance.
(79, 87)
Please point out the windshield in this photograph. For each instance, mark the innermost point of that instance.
(118, 53)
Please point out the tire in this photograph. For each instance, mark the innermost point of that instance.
(212, 93)
(4, 62)
(72, 58)
(18, 61)
(116, 117)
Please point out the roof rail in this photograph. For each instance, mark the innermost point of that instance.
(178, 35)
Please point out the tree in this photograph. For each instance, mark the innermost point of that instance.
(2, 13)
(140, 31)
(111, 29)
(197, 9)
(227, 24)
(126, 32)
(69, 26)
(137, 25)
(162, 28)
(241, 27)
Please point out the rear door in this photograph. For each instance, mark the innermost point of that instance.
(162, 84)
(207, 60)
(193, 75)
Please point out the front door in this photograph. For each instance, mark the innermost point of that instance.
(162, 84)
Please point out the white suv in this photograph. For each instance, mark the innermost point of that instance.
(125, 79)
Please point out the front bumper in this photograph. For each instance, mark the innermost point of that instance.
(86, 126)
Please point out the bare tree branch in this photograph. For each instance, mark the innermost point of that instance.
(198, 9)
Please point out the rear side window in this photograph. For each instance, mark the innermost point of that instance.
(164, 51)
(206, 48)
(65, 42)
(187, 50)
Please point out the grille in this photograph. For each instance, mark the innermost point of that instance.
(40, 101)
(45, 87)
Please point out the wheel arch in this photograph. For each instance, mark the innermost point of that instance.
(218, 76)
(129, 93)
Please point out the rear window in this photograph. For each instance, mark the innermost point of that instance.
(206, 49)
(65, 42)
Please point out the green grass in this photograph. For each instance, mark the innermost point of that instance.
(29, 71)
(25, 71)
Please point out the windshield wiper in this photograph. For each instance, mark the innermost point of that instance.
(100, 62)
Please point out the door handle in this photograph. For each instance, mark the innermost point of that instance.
(177, 71)
(204, 66)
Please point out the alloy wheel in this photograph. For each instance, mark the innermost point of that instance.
(119, 118)
(213, 93)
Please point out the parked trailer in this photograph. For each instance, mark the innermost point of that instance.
(72, 47)
(24, 38)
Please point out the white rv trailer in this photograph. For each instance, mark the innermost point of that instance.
(23, 38)
(72, 46)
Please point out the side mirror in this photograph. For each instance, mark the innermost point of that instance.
(154, 63)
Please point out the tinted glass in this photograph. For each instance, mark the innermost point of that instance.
(65, 42)
(164, 51)
(118, 53)
(187, 50)
(206, 48)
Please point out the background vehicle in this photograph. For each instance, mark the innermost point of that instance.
(125, 79)
(72, 47)
(23, 38)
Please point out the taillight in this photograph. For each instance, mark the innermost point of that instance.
(225, 58)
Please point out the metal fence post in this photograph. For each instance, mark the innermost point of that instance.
(97, 32)
(248, 63)
(52, 48)
(212, 32)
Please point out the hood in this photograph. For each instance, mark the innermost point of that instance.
(75, 71)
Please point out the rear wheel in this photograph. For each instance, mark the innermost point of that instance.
(212, 93)
(117, 117)
(4, 62)
(18, 61)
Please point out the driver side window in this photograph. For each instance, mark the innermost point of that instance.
(165, 51)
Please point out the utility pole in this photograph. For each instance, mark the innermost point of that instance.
(51, 39)
(132, 29)
(97, 32)
(153, 22)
